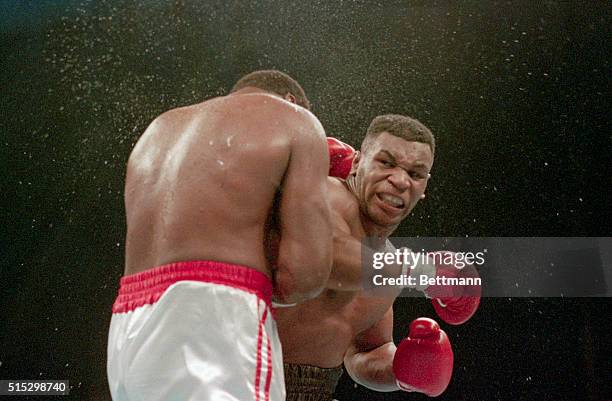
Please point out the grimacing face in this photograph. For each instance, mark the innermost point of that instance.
(391, 177)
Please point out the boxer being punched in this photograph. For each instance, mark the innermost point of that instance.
(192, 320)
(345, 324)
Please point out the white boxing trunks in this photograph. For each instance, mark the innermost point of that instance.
(195, 330)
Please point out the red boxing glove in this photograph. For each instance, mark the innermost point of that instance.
(455, 304)
(340, 157)
(423, 362)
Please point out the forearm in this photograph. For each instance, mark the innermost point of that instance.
(304, 261)
(373, 369)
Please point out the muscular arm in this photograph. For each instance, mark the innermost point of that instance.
(305, 248)
(369, 359)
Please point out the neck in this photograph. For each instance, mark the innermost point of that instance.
(251, 89)
(351, 183)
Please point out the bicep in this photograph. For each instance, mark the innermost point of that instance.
(369, 358)
(379, 334)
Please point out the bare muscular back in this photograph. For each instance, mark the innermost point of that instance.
(202, 179)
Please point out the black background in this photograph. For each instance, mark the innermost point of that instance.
(517, 94)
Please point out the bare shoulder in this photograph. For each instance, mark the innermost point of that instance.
(170, 118)
(160, 129)
(182, 111)
(342, 200)
(158, 124)
(298, 115)
(283, 111)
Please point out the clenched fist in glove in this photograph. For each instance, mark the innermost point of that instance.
(423, 362)
(340, 157)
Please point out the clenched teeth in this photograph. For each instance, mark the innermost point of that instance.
(392, 200)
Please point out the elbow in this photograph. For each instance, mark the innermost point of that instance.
(298, 279)
(288, 290)
(351, 364)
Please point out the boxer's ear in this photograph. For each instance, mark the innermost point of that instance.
(290, 98)
(355, 163)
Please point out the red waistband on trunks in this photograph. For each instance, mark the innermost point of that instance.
(148, 286)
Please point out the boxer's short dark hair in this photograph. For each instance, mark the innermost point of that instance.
(403, 127)
(276, 82)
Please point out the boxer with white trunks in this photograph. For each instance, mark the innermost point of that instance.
(192, 320)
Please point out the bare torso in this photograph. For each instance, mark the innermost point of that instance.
(202, 179)
(319, 331)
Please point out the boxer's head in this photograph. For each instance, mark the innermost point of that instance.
(392, 169)
(276, 82)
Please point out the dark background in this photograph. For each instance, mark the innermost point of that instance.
(517, 94)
